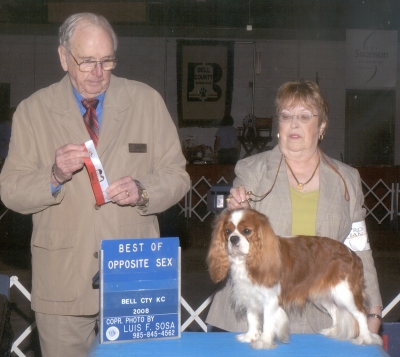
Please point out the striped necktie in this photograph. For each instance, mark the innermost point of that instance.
(90, 118)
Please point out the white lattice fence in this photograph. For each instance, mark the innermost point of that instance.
(15, 348)
(3, 213)
(199, 209)
(388, 195)
(194, 315)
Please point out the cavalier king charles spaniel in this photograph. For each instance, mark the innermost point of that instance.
(271, 275)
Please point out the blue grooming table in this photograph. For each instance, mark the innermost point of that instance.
(192, 344)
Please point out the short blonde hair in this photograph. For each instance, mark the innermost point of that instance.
(304, 92)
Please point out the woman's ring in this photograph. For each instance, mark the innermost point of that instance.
(229, 198)
(127, 193)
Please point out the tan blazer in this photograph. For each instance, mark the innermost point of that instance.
(67, 228)
(335, 216)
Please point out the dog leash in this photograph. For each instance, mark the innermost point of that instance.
(260, 198)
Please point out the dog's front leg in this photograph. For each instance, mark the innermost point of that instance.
(253, 321)
(275, 326)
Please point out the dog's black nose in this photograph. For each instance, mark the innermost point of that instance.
(234, 240)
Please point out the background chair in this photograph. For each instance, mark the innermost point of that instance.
(255, 135)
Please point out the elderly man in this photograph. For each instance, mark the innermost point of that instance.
(139, 150)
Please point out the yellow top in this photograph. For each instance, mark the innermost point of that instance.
(304, 212)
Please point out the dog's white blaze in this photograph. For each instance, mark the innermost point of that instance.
(239, 251)
(236, 217)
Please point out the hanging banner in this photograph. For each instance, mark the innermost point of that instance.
(205, 81)
(371, 59)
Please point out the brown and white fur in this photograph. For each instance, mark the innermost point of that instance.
(271, 274)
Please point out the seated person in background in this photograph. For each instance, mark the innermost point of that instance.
(225, 145)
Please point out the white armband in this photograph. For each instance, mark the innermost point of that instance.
(357, 240)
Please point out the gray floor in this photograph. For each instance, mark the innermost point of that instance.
(196, 284)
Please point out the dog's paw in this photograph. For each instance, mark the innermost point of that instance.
(329, 332)
(262, 344)
(368, 339)
(247, 337)
(283, 338)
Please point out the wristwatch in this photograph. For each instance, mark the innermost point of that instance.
(144, 197)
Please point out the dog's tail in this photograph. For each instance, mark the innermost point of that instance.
(345, 328)
(347, 325)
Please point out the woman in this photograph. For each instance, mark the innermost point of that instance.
(302, 191)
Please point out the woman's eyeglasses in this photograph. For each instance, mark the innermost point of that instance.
(303, 117)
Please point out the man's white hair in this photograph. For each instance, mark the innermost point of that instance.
(71, 23)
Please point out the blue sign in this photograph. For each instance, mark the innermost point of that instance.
(139, 289)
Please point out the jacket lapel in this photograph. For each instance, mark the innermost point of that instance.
(64, 105)
(116, 101)
(329, 183)
(282, 199)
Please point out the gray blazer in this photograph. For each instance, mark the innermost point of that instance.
(335, 216)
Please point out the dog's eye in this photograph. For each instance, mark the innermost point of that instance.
(246, 231)
(228, 231)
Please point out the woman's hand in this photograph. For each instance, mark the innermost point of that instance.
(238, 198)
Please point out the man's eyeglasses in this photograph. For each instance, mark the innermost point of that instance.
(89, 66)
(303, 118)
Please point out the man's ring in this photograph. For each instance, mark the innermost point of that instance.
(229, 198)
(127, 193)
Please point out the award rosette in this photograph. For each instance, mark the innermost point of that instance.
(96, 173)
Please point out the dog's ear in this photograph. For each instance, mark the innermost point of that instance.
(217, 257)
(264, 259)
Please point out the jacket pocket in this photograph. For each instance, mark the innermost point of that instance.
(54, 265)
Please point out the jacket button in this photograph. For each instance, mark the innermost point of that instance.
(96, 254)
(97, 207)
